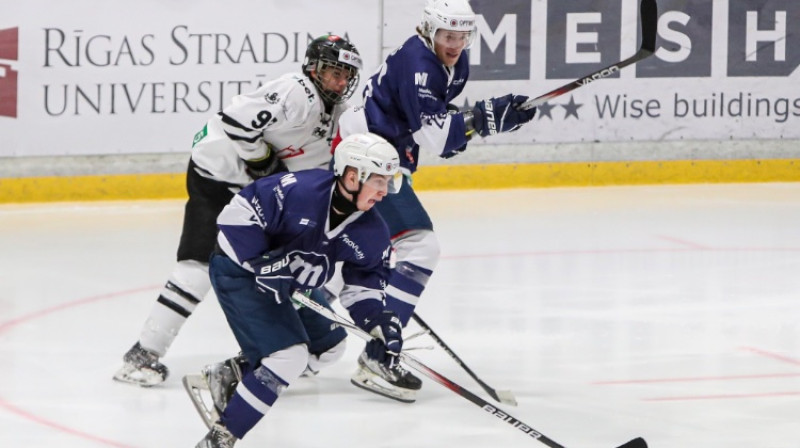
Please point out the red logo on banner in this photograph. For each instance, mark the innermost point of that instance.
(9, 51)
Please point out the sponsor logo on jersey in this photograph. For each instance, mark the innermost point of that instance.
(279, 196)
(288, 179)
(310, 269)
(426, 93)
(319, 132)
(290, 151)
(352, 244)
(421, 79)
(310, 223)
(272, 98)
(200, 135)
(257, 207)
(311, 95)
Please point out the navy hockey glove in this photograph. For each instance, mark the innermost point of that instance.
(500, 114)
(273, 275)
(384, 326)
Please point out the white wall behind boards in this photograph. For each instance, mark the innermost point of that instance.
(90, 77)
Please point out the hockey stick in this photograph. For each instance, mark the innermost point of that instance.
(417, 365)
(501, 396)
(649, 21)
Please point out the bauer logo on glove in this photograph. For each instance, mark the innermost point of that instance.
(276, 266)
(501, 114)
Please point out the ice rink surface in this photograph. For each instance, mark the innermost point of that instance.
(667, 312)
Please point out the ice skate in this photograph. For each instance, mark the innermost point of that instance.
(219, 382)
(141, 367)
(393, 381)
(309, 373)
(217, 437)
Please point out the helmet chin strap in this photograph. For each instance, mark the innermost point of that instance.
(341, 204)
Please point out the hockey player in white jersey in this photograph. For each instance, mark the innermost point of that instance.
(287, 123)
(284, 233)
(408, 103)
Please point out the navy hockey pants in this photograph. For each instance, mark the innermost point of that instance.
(260, 324)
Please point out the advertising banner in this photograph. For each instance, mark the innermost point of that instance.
(110, 77)
(723, 69)
(88, 77)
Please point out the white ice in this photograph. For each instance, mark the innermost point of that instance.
(667, 312)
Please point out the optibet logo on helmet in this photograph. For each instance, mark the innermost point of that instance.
(453, 15)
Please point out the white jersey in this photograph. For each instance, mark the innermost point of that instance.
(286, 113)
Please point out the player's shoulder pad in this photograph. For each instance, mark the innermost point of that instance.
(378, 229)
(419, 65)
(300, 96)
(309, 183)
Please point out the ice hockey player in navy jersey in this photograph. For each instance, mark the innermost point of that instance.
(408, 103)
(287, 123)
(282, 234)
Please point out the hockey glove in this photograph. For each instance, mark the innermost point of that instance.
(386, 328)
(263, 167)
(452, 109)
(500, 114)
(273, 275)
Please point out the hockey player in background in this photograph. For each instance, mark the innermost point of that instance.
(285, 233)
(287, 123)
(407, 103)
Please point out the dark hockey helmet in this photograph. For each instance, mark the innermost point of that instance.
(328, 51)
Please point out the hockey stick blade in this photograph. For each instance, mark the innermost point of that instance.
(500, 396)
(635, 443)
(648, 10)
(417, 365)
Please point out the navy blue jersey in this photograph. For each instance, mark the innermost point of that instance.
(290, 211)
(405, 102)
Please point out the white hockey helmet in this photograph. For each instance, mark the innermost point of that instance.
(369, 154)
(453, 15)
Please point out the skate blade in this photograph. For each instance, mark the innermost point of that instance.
(363, 380)
(195, 385)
